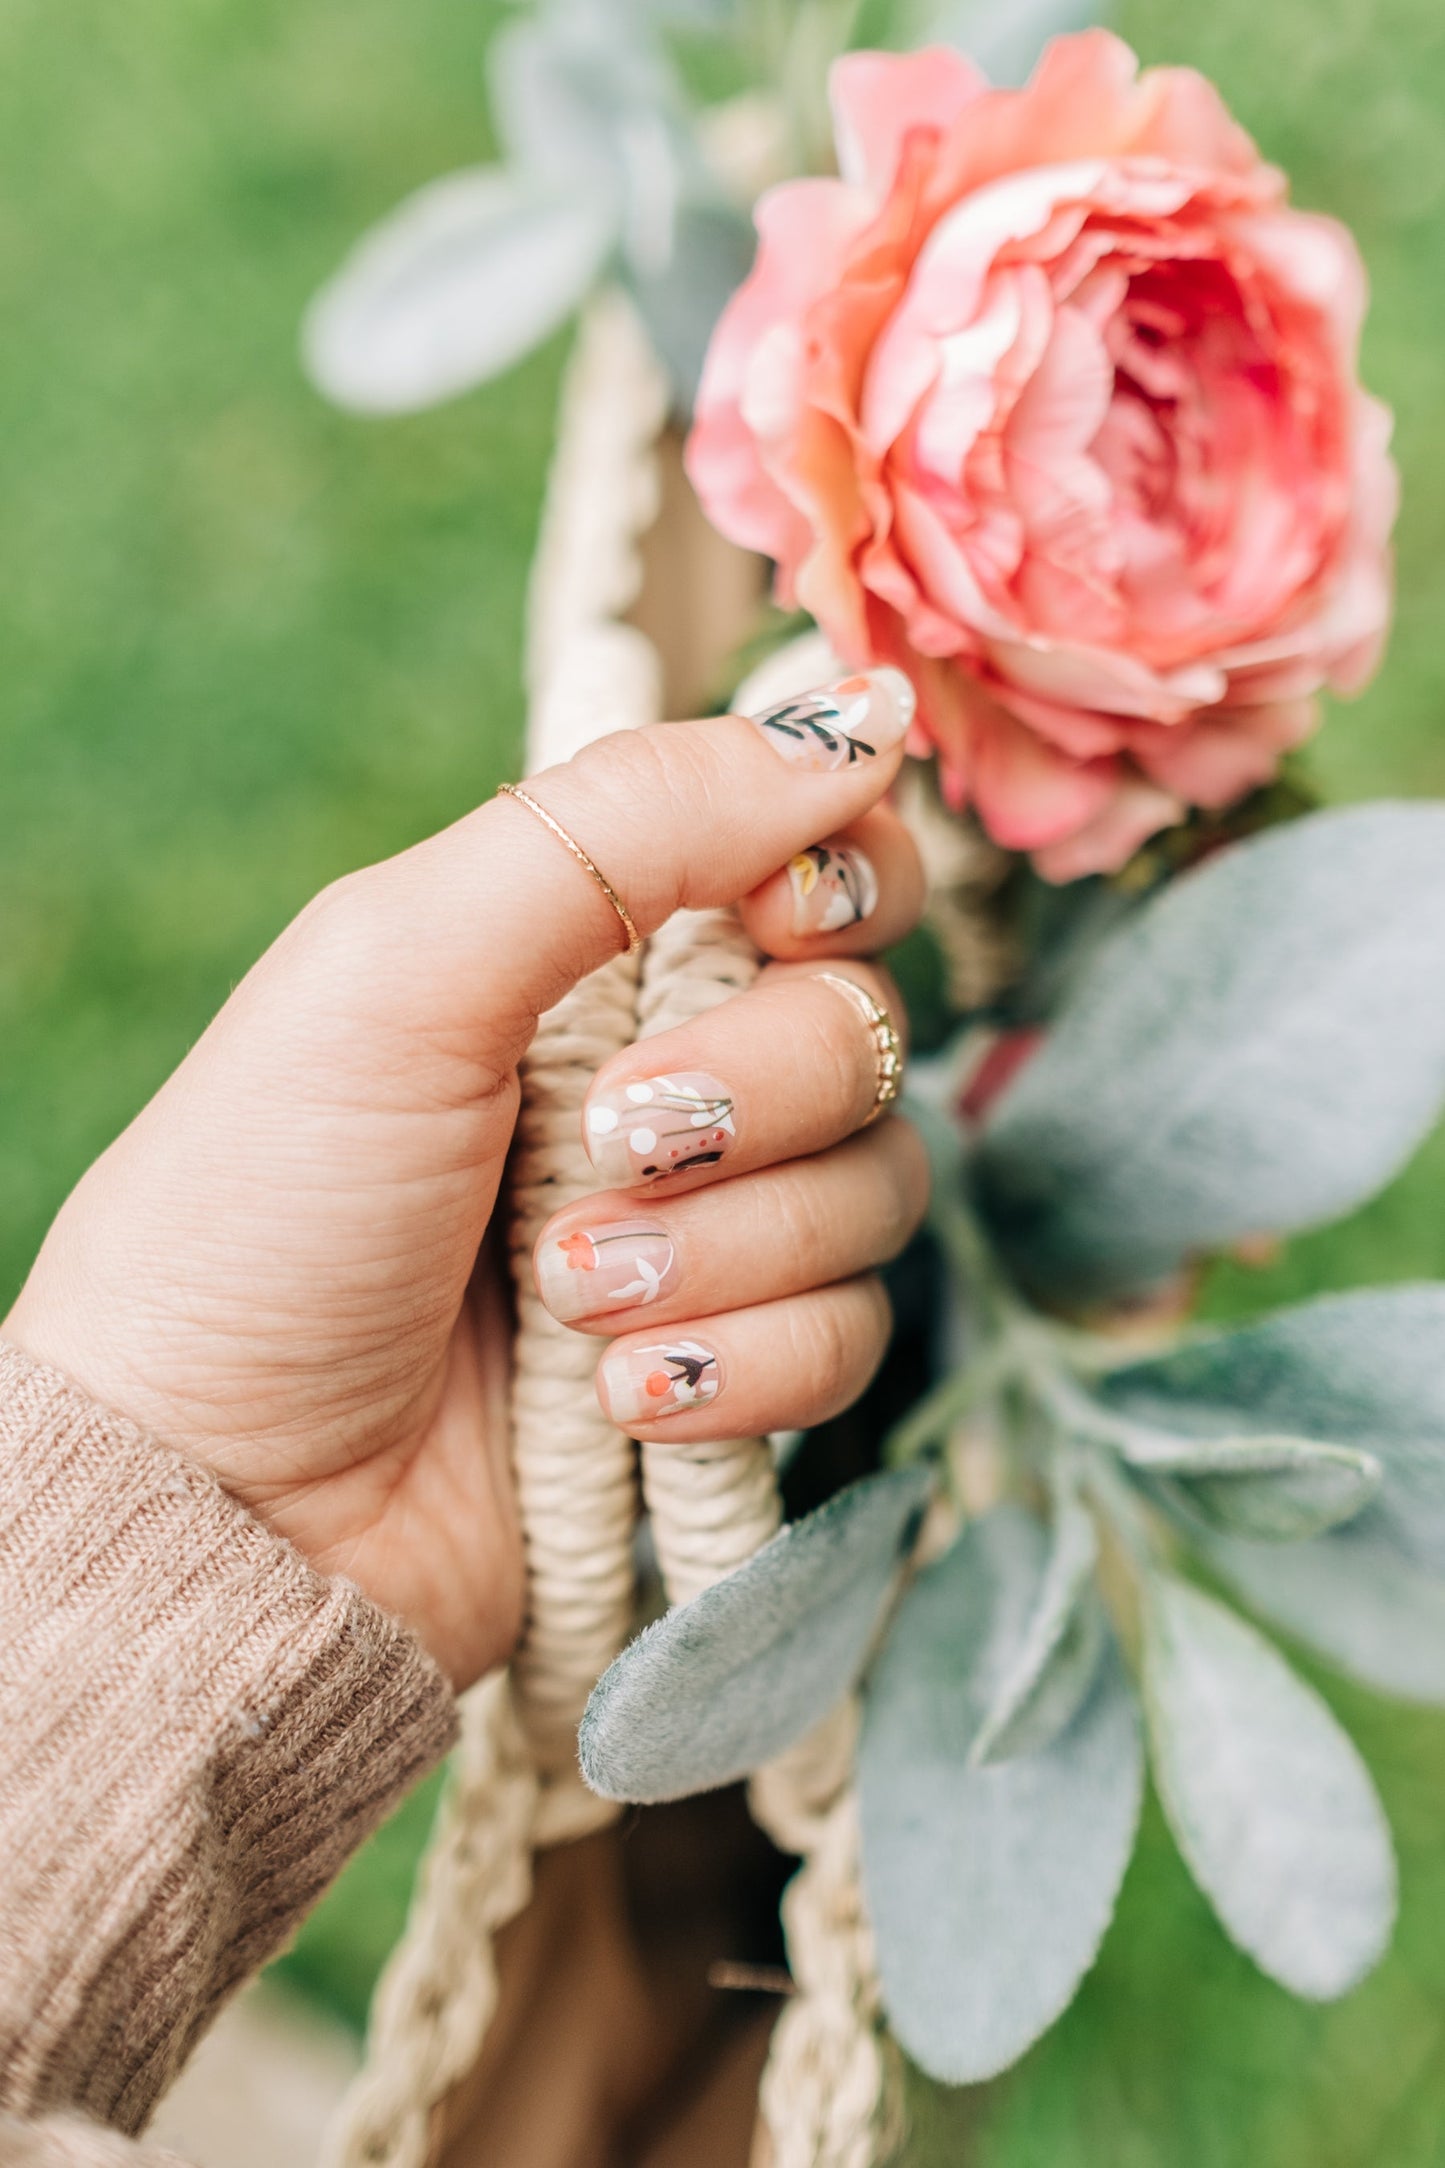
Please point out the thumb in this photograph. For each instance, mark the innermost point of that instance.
(499, 918)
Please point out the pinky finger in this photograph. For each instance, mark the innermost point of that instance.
(779, 1366)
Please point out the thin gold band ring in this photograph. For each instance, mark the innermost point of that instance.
(887, 1046)
(588, 865)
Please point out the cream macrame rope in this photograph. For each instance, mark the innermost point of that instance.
(437, 1994)
(511, 1784)
(711, 1505)
(831, 2093)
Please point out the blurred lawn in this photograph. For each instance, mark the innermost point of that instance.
(246, 643)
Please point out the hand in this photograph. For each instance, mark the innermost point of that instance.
(275, 1268)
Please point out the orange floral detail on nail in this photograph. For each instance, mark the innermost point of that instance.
(657, 1385)
(580, 1252)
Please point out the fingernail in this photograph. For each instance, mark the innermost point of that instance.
(835, 725)
(606, 1268)
(833, 886)
(659, 1125)
(642, 1383)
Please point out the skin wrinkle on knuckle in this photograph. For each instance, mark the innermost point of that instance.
(824, 1334)
(909, 1181)
(645, 784)
(346, 968)
(793, 1222)
(865, 971)
(826, 1043)
(846, 1040)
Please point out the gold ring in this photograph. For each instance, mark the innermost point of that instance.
(887, 1046)
(569, 842)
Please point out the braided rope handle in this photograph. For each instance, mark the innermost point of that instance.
(711, 1505)
(437, 1994)
(513, 1781)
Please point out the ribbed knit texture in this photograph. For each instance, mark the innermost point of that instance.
(65, 2141)
(196, 1730)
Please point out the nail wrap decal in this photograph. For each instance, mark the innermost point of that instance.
(837, 725)
(606, 1268)
(833, 886)
(660, 1125)
(644, 1383)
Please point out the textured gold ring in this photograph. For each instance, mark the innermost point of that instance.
(887, 1046)
(588, 865)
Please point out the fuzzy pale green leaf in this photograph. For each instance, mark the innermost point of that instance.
(1260, 1047)
(989, 1888)
(725, 1682)
(466, 277)
(1269, 1802)
(1361, 1371)
(1060, 1650)
(1273, 1489)
(1355, 1598)
(681, 303)
(588, 103)
(1005, 37)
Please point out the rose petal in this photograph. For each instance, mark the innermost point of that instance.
(1028, 795)
(1052, 402)
(1223, 755)
(877, 98)
(1133, 813)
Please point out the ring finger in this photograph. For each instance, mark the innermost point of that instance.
(603, 1266)
(788, 1068)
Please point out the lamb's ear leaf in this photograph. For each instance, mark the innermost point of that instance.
(1364, 1371)
(989, 1889)
(564, 91)
(549, 87)
(1273, 1489)
(589, 102)
(1260, 1047)
(1269, 1802)
(725, 1682)
(1353, 1597)
(1060, 1651)
(680, 303)
(462, 280)
(1005, 37)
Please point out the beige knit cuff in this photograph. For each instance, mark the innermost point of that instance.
(197, 1731)
(67, 2141)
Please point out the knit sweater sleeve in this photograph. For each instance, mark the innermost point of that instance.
(196, 1730)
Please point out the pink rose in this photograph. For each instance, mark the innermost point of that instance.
(1052, 400)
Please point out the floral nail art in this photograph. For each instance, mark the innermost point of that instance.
(833, 886)
(606, 1268)
(659, 1125)
(838, 725)
(644, 1383)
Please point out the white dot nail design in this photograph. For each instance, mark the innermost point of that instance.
(658, 1126)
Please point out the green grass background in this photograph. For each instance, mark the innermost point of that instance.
(246, 643)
